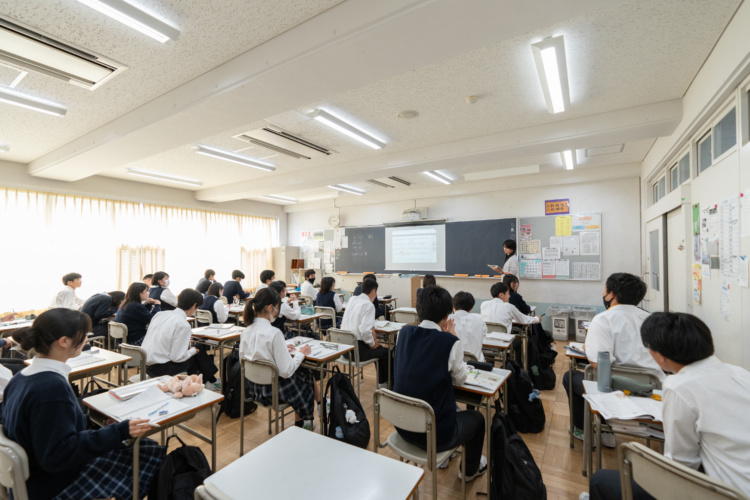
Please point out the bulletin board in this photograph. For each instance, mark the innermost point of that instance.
(562, 247)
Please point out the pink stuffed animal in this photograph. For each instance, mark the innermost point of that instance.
(183, 385)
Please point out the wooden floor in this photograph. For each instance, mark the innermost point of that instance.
(560, 465)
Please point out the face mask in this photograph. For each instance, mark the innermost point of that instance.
(166, 282)
(274, 315)
(311, 280)
(607, 303)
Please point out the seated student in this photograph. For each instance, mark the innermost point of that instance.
(617, 331)
(290, 309)
(213, 303)
(308, 288)
(161, 292)
(209, 277)
(328, 297)
(266, 278)
(429, 362)
(470, 327)
(102, 308)
(67, 297)
(8, 366)
(137, 311)
(147, 279)
(261, 341)
(702, 401)
(379, 310)
(167, 343)
(427, 280)
(515, 298)
(498, 310)
(359, 318)
(233, 288)
(41, 413)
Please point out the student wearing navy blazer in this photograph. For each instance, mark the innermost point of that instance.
(134, 314)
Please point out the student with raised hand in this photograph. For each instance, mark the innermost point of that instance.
(429, 363)
(266, 278)
(499, 310)
(511, 281)
(308, 288)
(327, 297)
(209, 277)
(102, 308)
(67, 297)
(703, 399)
(470, 327)
(290, 309)
(427, 280)
(41, 413)
(147, 279)
(160, 291)
(233, 288)
(618, 332)
(212, 302)
(262, 341)
(137, 311)
(167, 343)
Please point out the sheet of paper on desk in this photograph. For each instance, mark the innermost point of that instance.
(83, 359)
(129, 391)
(576, 347)
(150, 400)
(222, 326)
(223, 332)
(505, 337)
(479, 378)
(617, 405)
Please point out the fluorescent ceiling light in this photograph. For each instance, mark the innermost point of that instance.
(129, 15)
(4, 148)
(438, 176)
(549, 56)
(346, 129)
(347, 189)
(164, 177)
(276, 197)
(567, 158)
(247, 161)
(12, 96)
(504, 172)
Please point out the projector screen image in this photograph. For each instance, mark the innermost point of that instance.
(415, 248)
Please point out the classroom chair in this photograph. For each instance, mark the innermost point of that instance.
(14, 467)
(203, 318)
(355, 365)
(408, 317)
(117, 331)
(306, 300)
(139, 360)
(262, 373)
(469, 356)
(664, 478)
(330, 314)
(494, 355)
(415, 415)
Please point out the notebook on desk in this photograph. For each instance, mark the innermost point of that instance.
(618, 405)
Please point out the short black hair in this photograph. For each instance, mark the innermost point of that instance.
(266, 275)
(70, 277)
(370, 276)
(209, 273)
(498, 288)
(326, 284)
(117, 298)
(509, 279)
(434, 304)
(510, 244)
(368, 286)
(215, 289)
(628, 288)
(680, 337)
(158, 276)
(309, 273)
(188, 298)
(463, 301)
(238, 274)
(277, 286)
(148, 277)
(428, 280)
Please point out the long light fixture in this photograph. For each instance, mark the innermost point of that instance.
(277, 197)
(438, 176)
(12, 96)
(347, 129)
(164, 177)
(247, 161)
(568, 159)
(4, 148)
(129, 15)
(347, 189)
(549, 56)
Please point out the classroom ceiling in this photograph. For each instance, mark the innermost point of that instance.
(466, 68)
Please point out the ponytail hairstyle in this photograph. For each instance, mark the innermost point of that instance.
(326, 284)
(52, 325)
(133, 295)
(262, 299)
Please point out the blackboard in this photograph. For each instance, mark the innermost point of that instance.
(469, 247)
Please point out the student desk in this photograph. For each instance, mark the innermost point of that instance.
(388, 330)
(410, 312)
(221, 337)
(306, 319)
(502, 347)
(101, 403)
(573, 358)
(357, 473)
(15, 324)
(97, 367)
(236, 313)
(388, 305)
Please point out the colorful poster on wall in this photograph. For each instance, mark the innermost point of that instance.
(563, 226)
(697, 274)
(556, 207)
(696, 218)
(525, 233)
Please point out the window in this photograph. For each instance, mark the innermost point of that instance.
(725, 134)
(136, 262)
(684, 167)
(659, 189)
(704, 153)
(674, 177)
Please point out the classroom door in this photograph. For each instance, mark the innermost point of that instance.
(680, 250)
(656, 298)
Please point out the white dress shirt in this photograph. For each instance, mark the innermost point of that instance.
(168, 297)
(470, 329)
(261, 287)
(5, 376)
(618, 331)
(221, 310)
(261, 341)
(359, 318)
(704, 408)
(456, 364)
(308, 289)
(40, 365)
(290, 310)
(505, 313)
(511, 266)
(168, 338)
(67, 298)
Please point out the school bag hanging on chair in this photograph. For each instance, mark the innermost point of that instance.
(230, 387)
(345, 420)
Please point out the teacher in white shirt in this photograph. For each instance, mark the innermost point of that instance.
(511, 259)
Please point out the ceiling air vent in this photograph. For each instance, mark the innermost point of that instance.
(279, 141)
(398, 179)
(378, 183)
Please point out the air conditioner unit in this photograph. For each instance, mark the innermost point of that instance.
(414, 214)
(273, 140)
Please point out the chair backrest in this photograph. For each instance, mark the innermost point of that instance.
(342, 336)
(662, 477)
(260, 372)
(330, 312)
(14, 466)
(470, 356)
(639, 374)
(307, 299)
(203, 316)
(117, 330)
(139, 357)
(495, 327)
(408, 317)
(404, 412)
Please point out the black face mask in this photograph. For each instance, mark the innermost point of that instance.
(311, 280)
(607, 303)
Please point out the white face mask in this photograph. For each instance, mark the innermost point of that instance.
(274, 314)
(166, 282)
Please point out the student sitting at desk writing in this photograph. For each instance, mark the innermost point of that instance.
(213, 303)
(160, 291)
(290, 309)
(233, 288)
(498, 310)
(261, 341)
(208, 279)
(470, 327)
(102, 308)
(327, 297)
(67, 297)
(704, 400)
(41, 413)
(137, 311)
(266, 278)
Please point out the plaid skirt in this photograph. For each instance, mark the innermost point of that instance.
(111, 475)
(296, 390)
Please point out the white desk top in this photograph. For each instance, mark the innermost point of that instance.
(15, 324)
(304, 318)
(236, 309)
(210, 333)
(502, 378)
(405, 309)
(388, 326)
(108, 358)
(320, 353)
(357, 473)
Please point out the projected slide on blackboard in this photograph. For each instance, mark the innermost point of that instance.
(409, 248)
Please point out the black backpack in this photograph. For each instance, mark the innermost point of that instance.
(183, 470)
(526, 411)
(230, 387)
(515, 473)
(540, 357)
(341, 394)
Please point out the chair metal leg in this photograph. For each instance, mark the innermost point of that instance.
(269, 421)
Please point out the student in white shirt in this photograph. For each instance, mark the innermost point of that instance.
(618, 332)
(67, 297)
(307, 287)
(212, 302)
(261, 341)
(160, 291)
(290, 309)
(266, 278)
(470, 327)
(167, 343)
(703, 402)
(499, 310)
(359, 318)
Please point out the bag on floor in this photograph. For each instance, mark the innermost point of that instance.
(524, 406)
(92, 388)
(230, 387)
(342, 397)
(182, 471)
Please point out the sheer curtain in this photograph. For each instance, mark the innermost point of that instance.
(47, 235)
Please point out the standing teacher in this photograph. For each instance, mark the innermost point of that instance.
(511, 259)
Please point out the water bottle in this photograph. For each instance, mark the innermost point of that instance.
(339, 433)
(604, 372)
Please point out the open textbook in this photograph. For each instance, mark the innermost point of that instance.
(617, 405)
(502, 336)
(483, 379)
(152, 404)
